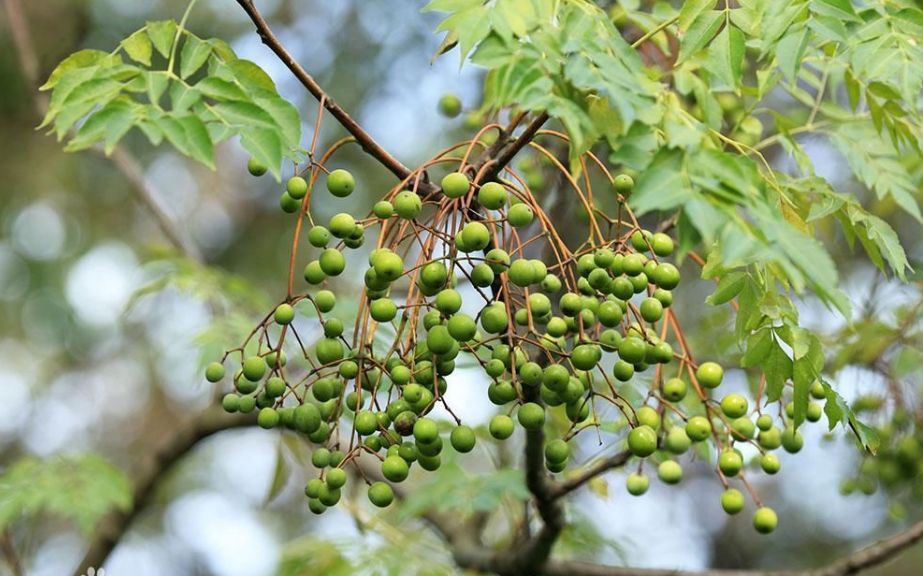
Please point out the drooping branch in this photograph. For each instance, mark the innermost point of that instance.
(364, 139)
(600, 466)
(117, 524)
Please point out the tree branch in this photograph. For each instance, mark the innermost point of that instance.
(364, 139)
(116, 525)
(600, 466)
(855, 563)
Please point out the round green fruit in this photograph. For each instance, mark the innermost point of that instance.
(531, 416)
(288, 204)
(408, 205)
(698, 428)
(732, 501)
(214, 372)
(462, 439)
(765, 520)
(557, 451)
(342, 225)
(284, 314)
(450, 105)
(651, 309)
(709, 374)
(381, 494)
(256, 168)
(674, 389)
(642, 441)
(475, 236)
(519, 215)
(332, 262)
(254, 368)
(296, 187)
(770, 463)
(501, 427)
(623, 184)
(455, 185)
(395, 469)
(492, 196)
(425, 430)
(340, 183)
(734, 406)
(383, 310)
(730, 463)
(670, 472)
(637, 484)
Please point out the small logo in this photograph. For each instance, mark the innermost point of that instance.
(94, 572)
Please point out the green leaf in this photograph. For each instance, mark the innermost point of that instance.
(93, 59)
(790, 52)
(138, 47)
(778, 369)
(726, 56)
(839, 412)
(108, 124)
(80, 488)
(702, 30)
(728, 287)
(194, 54)
(691, 10)
(218, 89)
(251, 77)
(840, 9)
(162, 35)
(264, 145)
(759, 345)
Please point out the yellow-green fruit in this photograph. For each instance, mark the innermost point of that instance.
(623, 184)
(765, 520)
(284, 314)
(450, 105)
(340, 183)
(492, 196)
(455, 185)
(670, 472)
(732, 501)
(709, 374)
(637, 484)
(642, 441)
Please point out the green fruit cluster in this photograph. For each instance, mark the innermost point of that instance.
(450, 278)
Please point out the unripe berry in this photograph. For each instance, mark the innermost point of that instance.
(462, 439)
(395, 469)
(531, 416)
(765, 520)
(450, 105)
(637, 484)
(267, 418)
(501, 427)
(284, 314)
(214, 372)
(455, 185)
(709, 374)
(519, 215)
(674, 389)
(255, 167)
(730, 463)
(670, 472)
(732, 501)
(296, 187)
(642, 441)
(698, 428)
(734, 406)
(381, 494)
(623, 184)
(340, 183)
(770, 463)
(492, 196)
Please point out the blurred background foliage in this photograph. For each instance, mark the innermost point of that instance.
(104, 328)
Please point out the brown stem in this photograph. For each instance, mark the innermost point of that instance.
(117, 524)
(364, 139)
